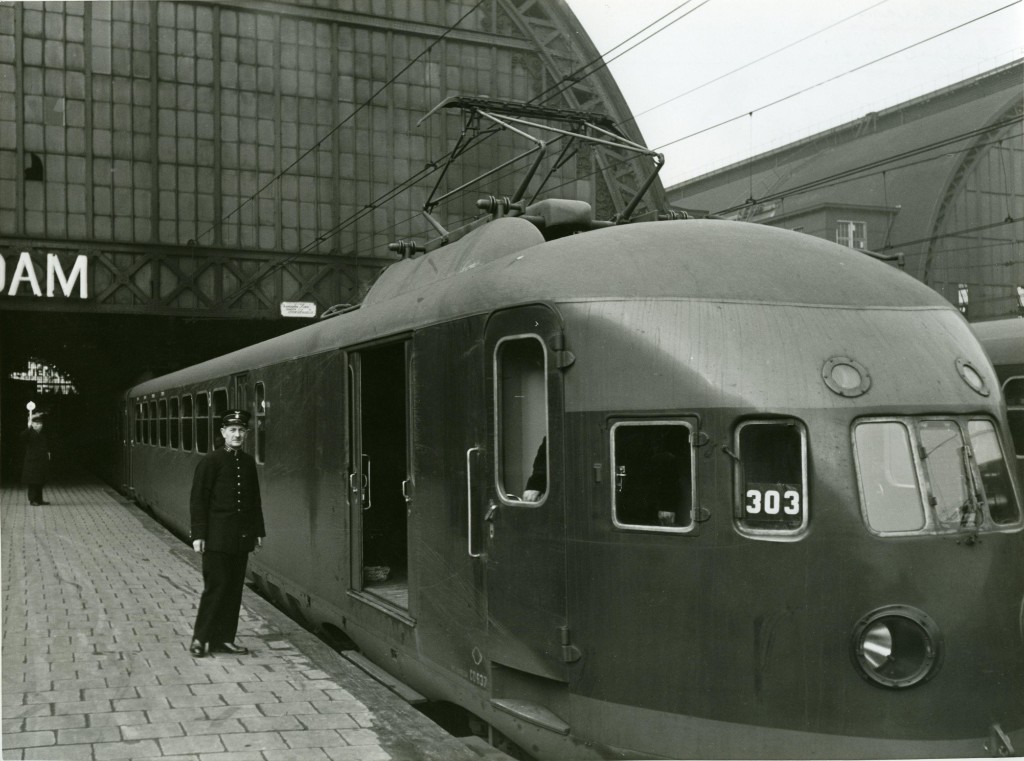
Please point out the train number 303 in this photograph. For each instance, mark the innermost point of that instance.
(772, 502)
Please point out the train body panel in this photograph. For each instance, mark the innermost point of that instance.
(734, 435)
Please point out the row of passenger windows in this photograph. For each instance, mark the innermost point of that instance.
(191, 422)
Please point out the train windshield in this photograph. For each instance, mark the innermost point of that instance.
(933, 476)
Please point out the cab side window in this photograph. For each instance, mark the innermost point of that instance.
(652, 472)
(522, 427)
(772, 476)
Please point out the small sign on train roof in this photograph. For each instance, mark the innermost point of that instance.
(298, 309)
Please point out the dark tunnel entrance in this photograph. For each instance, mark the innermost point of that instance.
(102, 355)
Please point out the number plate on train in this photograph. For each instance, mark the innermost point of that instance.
(773, 504)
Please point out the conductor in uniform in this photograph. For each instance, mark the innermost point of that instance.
(227, 524)
(37, 459)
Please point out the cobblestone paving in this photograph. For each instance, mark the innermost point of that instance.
(98, 606)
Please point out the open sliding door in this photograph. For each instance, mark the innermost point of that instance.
(379, 481)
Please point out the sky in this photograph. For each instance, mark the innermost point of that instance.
(680, 84)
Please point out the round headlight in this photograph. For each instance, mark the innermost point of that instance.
(897, 646)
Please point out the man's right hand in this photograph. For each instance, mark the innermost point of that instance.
(199, 545)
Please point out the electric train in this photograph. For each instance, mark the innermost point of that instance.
(778, 515)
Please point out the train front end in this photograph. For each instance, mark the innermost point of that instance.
(795, 529)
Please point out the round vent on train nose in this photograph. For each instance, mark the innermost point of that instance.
(970, 375)
(897, 646)
(846, 377)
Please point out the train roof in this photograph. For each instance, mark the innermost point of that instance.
(1003, 340)
(507, 262)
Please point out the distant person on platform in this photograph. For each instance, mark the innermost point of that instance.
(37, 459)
(227, 524)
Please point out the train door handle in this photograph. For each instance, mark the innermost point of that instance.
(469, 501)
(405, 490)
(367, 491)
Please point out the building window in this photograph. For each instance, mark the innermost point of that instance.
(852, 234)
(963, 298)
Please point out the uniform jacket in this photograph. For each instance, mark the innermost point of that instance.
(37, 457)
(225, 505)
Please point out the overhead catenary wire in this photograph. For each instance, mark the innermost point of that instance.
(575, 75)
(342, 123)
(857, 172)
(749, 114)
(747, 65)
(833, 78)
(408, 183)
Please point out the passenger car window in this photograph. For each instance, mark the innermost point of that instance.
(154, 424)
(174, 416)
(186, 422)
(202, 422)
(161, 407)
(772, 467)
(220, 406)
(652, 475)
(522, 427)
(261, 422)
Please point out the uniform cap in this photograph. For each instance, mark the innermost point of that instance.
(235, 417)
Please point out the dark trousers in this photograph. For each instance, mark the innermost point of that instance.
(35, 492)
(223, 579)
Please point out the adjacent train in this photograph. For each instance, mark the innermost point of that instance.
(672, 489)
(1004, 343)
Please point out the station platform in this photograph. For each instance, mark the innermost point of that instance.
(98, 605)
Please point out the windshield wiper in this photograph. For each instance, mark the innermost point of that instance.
(970, 510)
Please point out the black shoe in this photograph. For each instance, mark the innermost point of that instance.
(35, 504)
(199, 649)
(229, 647)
